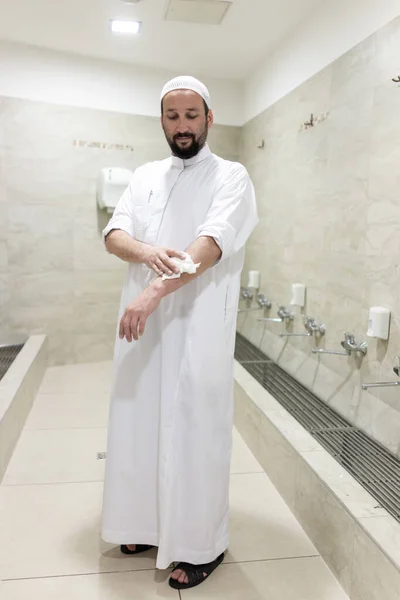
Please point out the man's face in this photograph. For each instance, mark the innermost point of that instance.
(185, 123)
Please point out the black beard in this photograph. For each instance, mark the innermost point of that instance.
(190, 151)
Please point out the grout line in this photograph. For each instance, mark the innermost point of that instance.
(244, 562)
(79, 574)
(250, 473)
(239, 562)
(18, 485)
(42, 483)
(87, 391)
(63, 428)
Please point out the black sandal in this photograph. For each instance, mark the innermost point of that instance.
(139, 549)
(195, 573)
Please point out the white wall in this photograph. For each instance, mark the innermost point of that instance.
(38, 74)
(332, 29)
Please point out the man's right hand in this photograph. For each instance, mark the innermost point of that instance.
(159, 259)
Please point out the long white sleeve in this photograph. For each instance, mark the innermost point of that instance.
(233, 213)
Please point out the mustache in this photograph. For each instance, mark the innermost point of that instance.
(184, 136)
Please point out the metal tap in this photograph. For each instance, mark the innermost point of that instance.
(246, 294)
(379, 384)
(350, 345)
(283, 315)
(312, 326)
(262, 301)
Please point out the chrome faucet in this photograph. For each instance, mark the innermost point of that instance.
(396, 369)
(349, 344)
(312, 328)
(246, 294)
(283, 314)
(262, 301)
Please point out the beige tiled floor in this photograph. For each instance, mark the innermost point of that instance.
(50, 506)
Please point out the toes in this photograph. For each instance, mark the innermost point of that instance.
(131, 547)
(180, 576)
(175, 575)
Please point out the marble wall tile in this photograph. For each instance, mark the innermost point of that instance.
(60, 345)
(373, 576)
(91, 255)
(95, 317)
(41, 288)
(385, 143)
(53, 319)
(278, 459)
(3, 219)
(3, 256)
(386, 531)
(26, 256)
(330, 527)
(272, 450)
(52, 259)
(387, 50)
(355, 498)
(329, 203)
(354, 72)
(93, 347)
(93, 286)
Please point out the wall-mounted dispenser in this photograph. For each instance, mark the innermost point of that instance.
(254, 280)
(298, 295)
(379, 323)
(111, 184)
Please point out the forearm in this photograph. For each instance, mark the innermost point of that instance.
(133, 322)
(125, 247)
(205, 251)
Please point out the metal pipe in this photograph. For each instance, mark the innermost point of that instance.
(380, 384)
(321, 351)
(295, 334)
(271, 320)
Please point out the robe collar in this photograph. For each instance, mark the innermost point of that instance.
(204, 153)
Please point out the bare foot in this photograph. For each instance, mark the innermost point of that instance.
(131, 547)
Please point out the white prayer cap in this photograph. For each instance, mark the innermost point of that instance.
(186, 82)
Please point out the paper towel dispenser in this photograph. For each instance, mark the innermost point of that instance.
(111, 184)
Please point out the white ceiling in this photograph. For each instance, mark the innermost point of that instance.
(250, 30)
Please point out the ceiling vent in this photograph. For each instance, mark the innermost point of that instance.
(206, 12)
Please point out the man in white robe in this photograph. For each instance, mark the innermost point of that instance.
(171, 416)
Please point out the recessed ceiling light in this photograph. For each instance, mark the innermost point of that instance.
(131, 27)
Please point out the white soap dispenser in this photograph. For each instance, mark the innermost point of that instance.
(111, 184)
(298, 295)
(379, 323)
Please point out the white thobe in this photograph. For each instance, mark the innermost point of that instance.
(171, 415)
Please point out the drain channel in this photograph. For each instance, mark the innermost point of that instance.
(370, 463)
(8, 353)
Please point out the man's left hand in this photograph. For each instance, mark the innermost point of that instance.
(133, 322)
